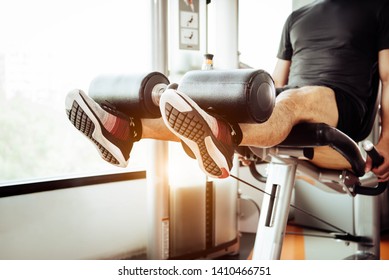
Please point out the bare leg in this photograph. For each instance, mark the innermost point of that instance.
(210, 139)
(156, 129)
(306, 104)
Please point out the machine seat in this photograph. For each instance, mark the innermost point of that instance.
(327, 148)
(332, 149)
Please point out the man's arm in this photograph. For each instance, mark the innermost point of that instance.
(281, 73)
(382, 171)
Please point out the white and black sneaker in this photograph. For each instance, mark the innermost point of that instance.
(209, 138)
(112, 134)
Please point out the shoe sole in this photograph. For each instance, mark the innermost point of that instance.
(183, 117)
(84, 119)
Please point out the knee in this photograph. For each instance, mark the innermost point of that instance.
(308, 96)
(311, 103)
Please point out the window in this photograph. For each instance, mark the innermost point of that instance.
(48, 48)
(260, 27)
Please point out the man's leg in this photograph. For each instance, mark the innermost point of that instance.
(112, 133)
(313, 104)
(156, 129)
(211, 141)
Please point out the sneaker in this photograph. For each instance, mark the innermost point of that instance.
(112, 135)
(208, 138)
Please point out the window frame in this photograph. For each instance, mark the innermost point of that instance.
(36, 186)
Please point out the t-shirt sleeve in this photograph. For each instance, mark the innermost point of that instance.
(285, 50)
(383, 32)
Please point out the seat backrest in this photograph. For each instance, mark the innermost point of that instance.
(373, 104)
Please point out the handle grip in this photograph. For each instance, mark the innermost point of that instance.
(376, 158)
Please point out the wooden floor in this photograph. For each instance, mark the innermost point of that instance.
(295, 246)
(299, 247)
(384, 246)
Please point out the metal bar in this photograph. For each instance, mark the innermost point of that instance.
(270, 236)
(157, 178)
(367, 224)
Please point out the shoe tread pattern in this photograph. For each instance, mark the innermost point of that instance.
(84, 124)
(188, 125)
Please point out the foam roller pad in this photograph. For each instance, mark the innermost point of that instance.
(129, 94)
(240, 95)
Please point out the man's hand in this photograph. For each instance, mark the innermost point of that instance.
(382, 171)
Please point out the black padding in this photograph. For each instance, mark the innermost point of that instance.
(240, 95)
(320, 134)
(129, 94)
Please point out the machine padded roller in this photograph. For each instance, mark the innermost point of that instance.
(129, 94)
(240, 95)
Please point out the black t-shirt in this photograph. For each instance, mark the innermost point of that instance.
(336, 43)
